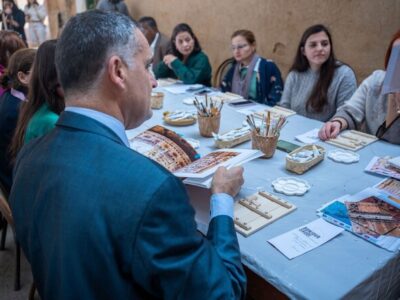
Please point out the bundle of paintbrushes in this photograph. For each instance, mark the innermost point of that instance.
(269, 126)
(209, 108)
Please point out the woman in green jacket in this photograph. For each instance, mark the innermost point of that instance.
(186, 62)
(45, 99)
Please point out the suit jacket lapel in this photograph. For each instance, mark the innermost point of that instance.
(83, 123)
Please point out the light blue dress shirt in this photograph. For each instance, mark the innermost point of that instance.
(221, 204)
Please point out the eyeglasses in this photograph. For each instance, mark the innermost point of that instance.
(238, 47)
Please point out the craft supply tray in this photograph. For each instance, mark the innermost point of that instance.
(179, 122)
(352, 140)
(302, 167)
(259, 210)
(233, 142)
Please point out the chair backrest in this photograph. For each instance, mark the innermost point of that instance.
(5, 209)
(221, 72)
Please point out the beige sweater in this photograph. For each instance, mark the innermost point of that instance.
(369, 106)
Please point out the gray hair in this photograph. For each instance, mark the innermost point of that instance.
(86, 43)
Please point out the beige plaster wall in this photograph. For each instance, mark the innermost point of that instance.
(66, 8)
(361, 28)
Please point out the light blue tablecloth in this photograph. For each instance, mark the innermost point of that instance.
(346, 267)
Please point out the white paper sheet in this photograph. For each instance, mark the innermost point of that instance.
(310, 137)
(305, 238)
(182, 88)
(250, 109)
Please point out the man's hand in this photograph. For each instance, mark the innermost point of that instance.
(329, 131)
(168, 59)
(227, 181)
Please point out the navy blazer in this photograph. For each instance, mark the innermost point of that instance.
(9, 111)
(98, 220)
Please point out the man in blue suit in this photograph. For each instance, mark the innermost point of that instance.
(98, 220)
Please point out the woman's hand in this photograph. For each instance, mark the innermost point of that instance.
(168, 59)
(11, 22)
(331, 129)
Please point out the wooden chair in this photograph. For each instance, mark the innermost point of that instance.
(5, 210)
(221, 72)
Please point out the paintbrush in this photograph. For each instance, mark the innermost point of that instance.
(268, 123)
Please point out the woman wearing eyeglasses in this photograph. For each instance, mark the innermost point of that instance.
(252, 76)
(317, 83)
(186, 62)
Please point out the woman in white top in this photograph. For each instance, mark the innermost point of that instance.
(35, 15)
(317, 83)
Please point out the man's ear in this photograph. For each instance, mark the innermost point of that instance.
(117, 71)
(23, 78)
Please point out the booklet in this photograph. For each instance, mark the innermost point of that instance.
(305, 238)
(200, 173)
(174, 153)
(165, 147)
(373, 214)
(382, 166)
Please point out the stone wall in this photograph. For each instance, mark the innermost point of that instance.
(361, 29)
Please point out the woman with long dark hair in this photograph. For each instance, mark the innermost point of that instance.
(45, 99)
(317, 83)
(186, 62)
(13, 18)
(250, 75)
(370, 106)
(16, 80)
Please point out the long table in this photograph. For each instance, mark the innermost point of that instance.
(347, 267)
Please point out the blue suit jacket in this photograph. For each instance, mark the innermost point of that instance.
(100, 221)
(9, 111)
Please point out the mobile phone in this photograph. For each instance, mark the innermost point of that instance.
(241, 103)
(286, 146)
(195, 88)
(203, 91)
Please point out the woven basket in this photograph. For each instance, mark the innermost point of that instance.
(267, 145)
(179, 122)
(157, 99)
(302, 167)
(234, 142)
(208, 125)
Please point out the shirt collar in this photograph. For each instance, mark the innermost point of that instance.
(18, 94)
(153, 43)
(109, 121)
(256, 66)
